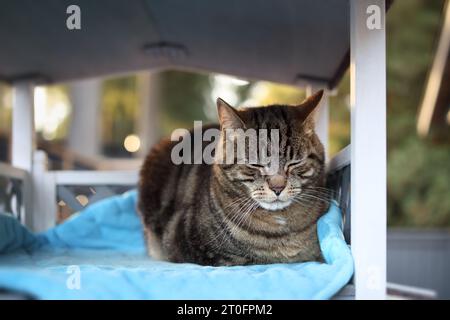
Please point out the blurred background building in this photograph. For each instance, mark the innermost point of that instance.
(111, 124)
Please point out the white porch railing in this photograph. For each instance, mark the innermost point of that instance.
(9, 172)
(341, 159)
(49, 183)
(94, 177)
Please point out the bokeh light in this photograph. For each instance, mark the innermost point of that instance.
(132, 143)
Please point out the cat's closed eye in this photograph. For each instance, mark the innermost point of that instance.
(302, 172)
(254, 166)
(294, 163)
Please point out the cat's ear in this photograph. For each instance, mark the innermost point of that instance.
(306, 108)
(228, 116)
(304, 112)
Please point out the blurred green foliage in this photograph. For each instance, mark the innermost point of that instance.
(5, 108)
(119, 110)
(5, 122)
(418, 169)
(184, 97)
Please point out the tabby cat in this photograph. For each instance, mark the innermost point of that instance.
(234, 214)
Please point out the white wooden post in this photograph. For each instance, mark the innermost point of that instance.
(322, 116)
(85, 127)
(44, 194)
(368, 147)
(23, 136)
(23, 139)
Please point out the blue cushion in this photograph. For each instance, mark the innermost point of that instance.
(100, 254)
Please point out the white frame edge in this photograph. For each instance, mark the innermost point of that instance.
(23, 141)
(368, 151)
(341, 159)
(73, 178)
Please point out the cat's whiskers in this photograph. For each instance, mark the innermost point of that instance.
(320, 191)
(249, 221)
(234, 205)
(246, 210)
(235, 202)
(235, 214)
(304, 203)
(312, 195)
(244, 215)
(320, 197)
(237, 220)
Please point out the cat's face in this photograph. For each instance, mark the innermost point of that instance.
(298, 173)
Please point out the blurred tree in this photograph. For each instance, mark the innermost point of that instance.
(183, 97)
(52, 109)
(418, 170)
(339, 131)
(418, 189)
(119, 107)
(5, 120)
(265, 93)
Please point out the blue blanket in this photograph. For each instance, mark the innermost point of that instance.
(100, 254)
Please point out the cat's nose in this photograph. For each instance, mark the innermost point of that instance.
(277, 183)
(277, 190)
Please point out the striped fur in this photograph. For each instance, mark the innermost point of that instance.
(226, 214)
